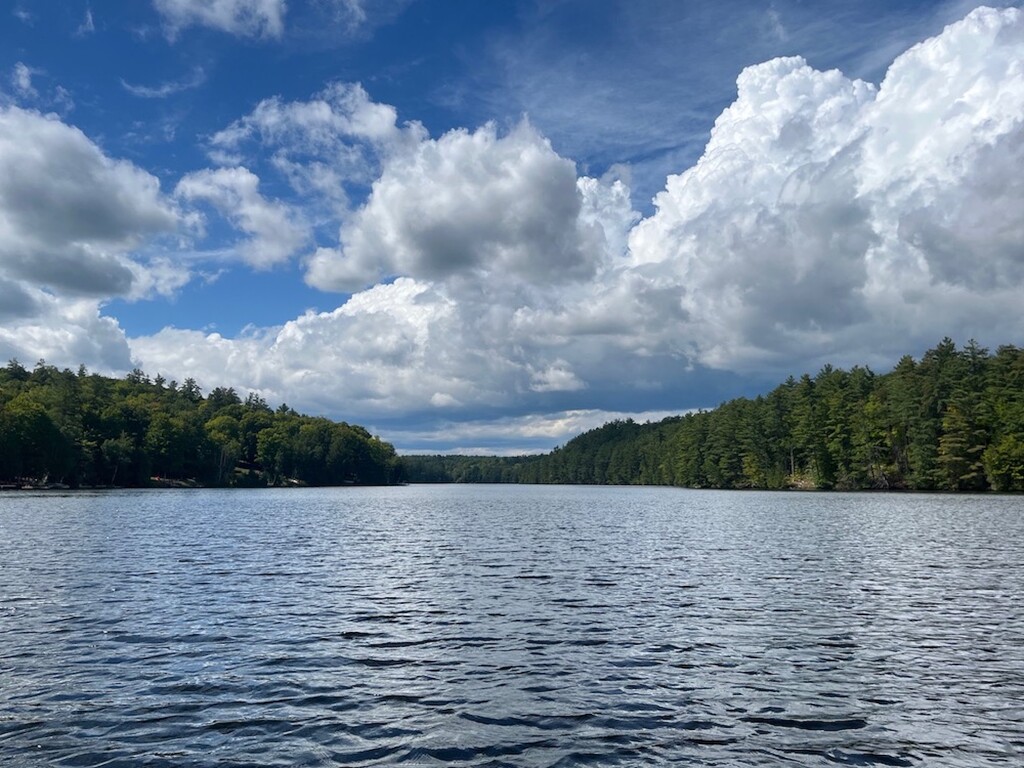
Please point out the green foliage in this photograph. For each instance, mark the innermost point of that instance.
(953, 421)
(85, 429)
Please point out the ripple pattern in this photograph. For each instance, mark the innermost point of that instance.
(510, 626)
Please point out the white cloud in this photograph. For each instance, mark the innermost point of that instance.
(71, 223)
(508, 435)
(276, 233)
(392, 348)
(376, 353)
(825, 214)
(607, 211)
(68, 213)
(354, 9)
(62, 100)
(88, 25)
(827, 220)
(245, 18)
(324, 147)
(557, 377)
(775, 25)
(21, 80)
(341, 110)
(195, 79)
(441, 336)
(468, 202)
(158, 275)
(24, 84)
(465, 203)
(64, 332)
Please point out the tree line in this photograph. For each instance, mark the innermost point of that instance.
(951, 421)
(84, 429)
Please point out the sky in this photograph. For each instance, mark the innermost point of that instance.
(484, 227)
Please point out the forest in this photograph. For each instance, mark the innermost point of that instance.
(80, 429)
(951, 421)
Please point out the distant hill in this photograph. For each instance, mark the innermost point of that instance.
(953, 421)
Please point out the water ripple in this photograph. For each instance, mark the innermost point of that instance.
(484, 626)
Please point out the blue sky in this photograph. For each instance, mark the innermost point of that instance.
(486, 226)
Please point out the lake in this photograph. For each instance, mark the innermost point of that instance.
(510, 626)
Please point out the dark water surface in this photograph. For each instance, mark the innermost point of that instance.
(520, 626)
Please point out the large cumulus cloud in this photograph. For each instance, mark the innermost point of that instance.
(378, 352)
(466, 203)
(68, 213)
(398, 347)
(827, 219)
(71, 220)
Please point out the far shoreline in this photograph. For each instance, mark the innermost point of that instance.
(185, 485)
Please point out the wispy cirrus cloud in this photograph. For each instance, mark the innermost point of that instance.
(194, 79)
(22, 14)
(88, 24)
(31, 86)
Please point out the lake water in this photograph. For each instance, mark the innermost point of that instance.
(510, 626)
